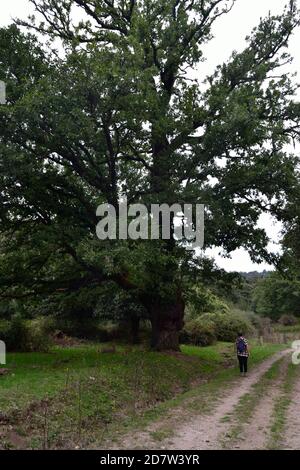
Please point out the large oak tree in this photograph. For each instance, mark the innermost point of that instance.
(117, 114)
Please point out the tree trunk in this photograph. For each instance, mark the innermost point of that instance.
(167, 321)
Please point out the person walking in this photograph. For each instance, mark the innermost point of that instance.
(242, 350)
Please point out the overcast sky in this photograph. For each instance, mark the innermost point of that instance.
(229, 31)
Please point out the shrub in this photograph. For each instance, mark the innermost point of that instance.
(200, 299)
(15, 335)
(198, 332)
(24, 335)
(262, 325)
(91, 329)
(228, 325)
(4, 328)
(288, 320)
(80, 328)
(38, 334)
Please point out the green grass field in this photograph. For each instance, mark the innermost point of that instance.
(75, 396)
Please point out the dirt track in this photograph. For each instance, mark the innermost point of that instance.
(215, 430)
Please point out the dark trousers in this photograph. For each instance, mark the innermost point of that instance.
(243, 362)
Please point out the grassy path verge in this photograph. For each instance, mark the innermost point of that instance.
(250, 419)
(80, 397)
(285, 420)
(177, 423)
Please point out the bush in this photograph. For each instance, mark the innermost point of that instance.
(262, 325)
(91, 329)
(206, 328)
(228, 325)
(38, 334)
(79, 328)
(4, 328)
(200, 299)
(288, 320)
(198, 332)
(24, 335)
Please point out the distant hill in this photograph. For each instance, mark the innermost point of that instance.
(252, 275)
